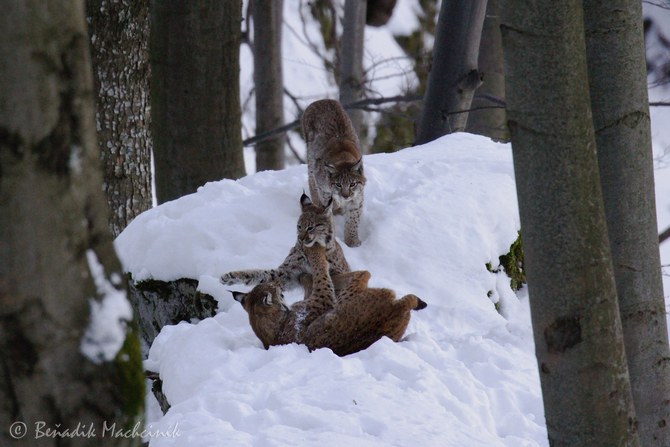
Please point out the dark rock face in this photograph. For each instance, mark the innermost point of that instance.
(161, 303)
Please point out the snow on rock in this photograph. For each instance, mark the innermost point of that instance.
(434, 216)
(110, 313)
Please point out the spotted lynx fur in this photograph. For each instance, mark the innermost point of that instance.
(334, 163)
(272, 321)
(340, 313)
(315, 226)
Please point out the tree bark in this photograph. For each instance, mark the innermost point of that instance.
(58, 262)
(618, 91)
(575, 317)
(485, 118)
(454, 76)
(119, 33)
(351, 62)
(195, 94)
(269, 82)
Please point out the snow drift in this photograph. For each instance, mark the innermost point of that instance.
(465, 374)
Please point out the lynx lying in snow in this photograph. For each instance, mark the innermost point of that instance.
(334, 163)
(315, 226)
(342, 314)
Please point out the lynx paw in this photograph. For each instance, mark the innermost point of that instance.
(228, 279)
(352, 241)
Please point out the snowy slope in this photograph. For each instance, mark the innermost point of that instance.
(434, 216)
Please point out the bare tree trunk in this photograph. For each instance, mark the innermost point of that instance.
(454, 76)
(618, 91)
(269, 82)
(119, 34)
(576, 324)
(195, 94)
(488, 118)
(58, 263)
(351, 62)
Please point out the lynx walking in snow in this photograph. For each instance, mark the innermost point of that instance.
(342, 314)
(315, 226)
(334, 163)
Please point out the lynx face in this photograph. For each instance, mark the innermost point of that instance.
(346, 183)
(264, 300)
(315, 225)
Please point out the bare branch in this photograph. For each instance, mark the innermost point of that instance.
(294, 151)
(656, 3)
(664, 235)
(659, 104)
(354, 105)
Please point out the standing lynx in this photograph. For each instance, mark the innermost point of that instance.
(315, 226)
(334, 163)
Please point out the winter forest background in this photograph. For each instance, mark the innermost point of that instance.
(148, 147)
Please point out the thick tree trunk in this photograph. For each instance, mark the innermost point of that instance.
(119, 32)
(269, 82)
(576, 323)
(351, 59)
(59, 274)
(195, 94)
(488, 118)
(618, 91)
(454, 76)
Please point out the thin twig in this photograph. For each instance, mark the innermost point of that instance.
(294, 151)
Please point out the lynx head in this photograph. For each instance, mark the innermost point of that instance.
(315, 224)
(346, 181)
(265, 306)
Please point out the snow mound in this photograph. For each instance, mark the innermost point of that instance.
(434, 216)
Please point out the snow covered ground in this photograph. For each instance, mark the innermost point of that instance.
(434, 216)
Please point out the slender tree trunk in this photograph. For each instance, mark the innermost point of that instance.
(351, 62)
(576, 323)
(58, 263)
(488, 118)
(618, 87)
(119, 34)
(269, 82)
(195, 94)
(454, 76)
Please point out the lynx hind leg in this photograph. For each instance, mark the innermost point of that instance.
(359, 279)
(248, 277)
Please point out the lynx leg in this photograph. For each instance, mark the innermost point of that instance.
(352, 218)
(306, 282)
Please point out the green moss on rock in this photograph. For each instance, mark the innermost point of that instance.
(512, 264)
(129, 379)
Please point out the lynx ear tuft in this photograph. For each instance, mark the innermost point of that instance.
(267, 299)
(305, 200)
(238, 296)
(358, 166)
